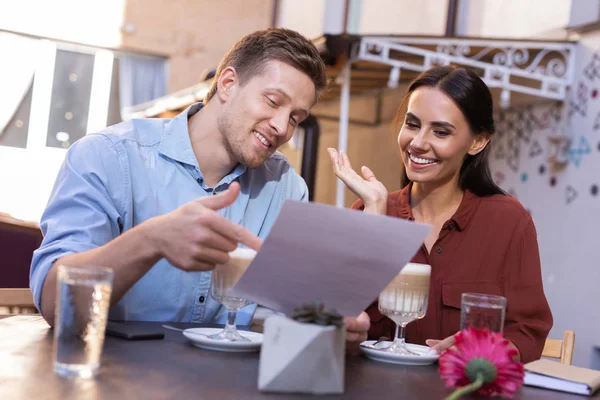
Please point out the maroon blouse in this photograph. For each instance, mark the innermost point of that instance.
(488, 246)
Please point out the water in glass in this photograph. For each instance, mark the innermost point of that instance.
(80, 321)
(482, 311)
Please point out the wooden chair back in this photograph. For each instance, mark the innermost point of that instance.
(561, 349)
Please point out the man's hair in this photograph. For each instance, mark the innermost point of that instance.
(251, 53)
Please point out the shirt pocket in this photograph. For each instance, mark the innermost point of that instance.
(451, 301)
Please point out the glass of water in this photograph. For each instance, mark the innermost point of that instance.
(82, 303)
(482, 311)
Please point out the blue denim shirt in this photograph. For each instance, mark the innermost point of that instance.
(116, 179)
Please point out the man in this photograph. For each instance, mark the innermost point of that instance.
(161, 201)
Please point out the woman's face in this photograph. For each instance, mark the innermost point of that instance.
(435, 138)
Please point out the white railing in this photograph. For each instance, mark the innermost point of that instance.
(547, 74)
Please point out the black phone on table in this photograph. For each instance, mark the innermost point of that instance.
(133, 331)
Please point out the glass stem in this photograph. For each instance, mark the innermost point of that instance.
(400, 338)
(395, 343)
(230, 325)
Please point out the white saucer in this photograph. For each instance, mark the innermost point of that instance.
(198, 337)
(424, 357)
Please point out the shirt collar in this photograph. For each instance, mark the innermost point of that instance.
(461, 217)
(404, 203)
(233, 175)
(176, 144)
(466, 210)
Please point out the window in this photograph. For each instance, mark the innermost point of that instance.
(15, 132)
(63, 91)
(70, 100)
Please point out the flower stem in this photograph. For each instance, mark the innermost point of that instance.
(473, 386)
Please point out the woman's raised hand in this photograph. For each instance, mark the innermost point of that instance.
(372, 192)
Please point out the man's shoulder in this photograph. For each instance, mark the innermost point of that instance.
(278, 171)
(143, 131)
(277, 165)
(278, 158)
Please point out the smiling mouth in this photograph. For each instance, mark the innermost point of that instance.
(420, 160)
(262, 139)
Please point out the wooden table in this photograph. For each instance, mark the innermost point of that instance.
(174, 369)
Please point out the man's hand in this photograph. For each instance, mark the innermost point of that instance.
(356, 331)
(195, 237)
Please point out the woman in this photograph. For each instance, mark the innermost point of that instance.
(482, 240)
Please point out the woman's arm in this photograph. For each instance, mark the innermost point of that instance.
(528, 317)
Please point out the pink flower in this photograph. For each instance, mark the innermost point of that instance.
(481, 360)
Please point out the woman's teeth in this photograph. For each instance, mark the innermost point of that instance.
(420, 160)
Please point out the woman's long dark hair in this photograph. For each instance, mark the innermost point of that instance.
(474, 99)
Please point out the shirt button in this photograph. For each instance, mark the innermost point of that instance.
(438, 250)
(201, 299)
(199, 180)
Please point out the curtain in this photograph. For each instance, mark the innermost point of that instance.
(141, 79)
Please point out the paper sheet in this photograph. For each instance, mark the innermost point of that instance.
(341, 257)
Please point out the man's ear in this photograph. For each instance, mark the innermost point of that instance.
(225, 82)
(479, 142)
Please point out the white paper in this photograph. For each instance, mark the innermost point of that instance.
(341, 257)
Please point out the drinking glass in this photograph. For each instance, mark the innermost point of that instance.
(482, 311)
(224, 278)
(404, 300)
(82, 303)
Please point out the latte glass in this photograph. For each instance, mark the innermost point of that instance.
(404, 300)
(224, 278)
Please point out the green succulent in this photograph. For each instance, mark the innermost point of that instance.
(316, 313)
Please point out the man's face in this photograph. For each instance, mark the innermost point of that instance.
(261, 115)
